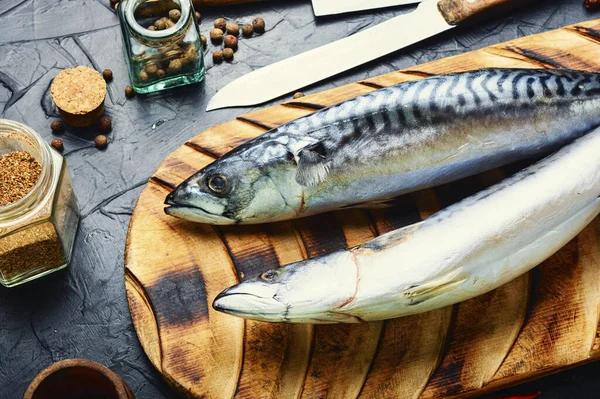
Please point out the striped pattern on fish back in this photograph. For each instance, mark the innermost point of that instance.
(444, 97)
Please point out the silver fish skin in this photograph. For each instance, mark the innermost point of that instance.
(465, 250)
(392, 141)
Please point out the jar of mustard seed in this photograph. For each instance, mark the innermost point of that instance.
(163, 47)
(38, 208)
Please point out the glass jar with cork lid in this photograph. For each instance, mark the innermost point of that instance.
(38, 208)
(163, 47)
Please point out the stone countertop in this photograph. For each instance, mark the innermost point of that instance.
(82, 312)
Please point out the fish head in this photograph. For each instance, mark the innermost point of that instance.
(310, 291)
(251, 184)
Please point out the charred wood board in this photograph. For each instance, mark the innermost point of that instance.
(541, 323)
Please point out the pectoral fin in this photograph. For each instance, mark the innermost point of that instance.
(313, 165)
(431, 289)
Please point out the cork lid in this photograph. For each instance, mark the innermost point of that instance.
(78, 90)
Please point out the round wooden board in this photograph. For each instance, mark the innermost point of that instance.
(538, 324)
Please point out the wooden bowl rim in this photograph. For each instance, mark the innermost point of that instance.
(118, 383)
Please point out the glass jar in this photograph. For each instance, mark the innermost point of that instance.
(161, 59)
(37, 232)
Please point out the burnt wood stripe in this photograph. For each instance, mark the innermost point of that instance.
(254, 122)
(162, 183)
(536, 57)
(321, 234)
(200, 149)
(303, 104)
(372, 85)
(417, 73)
(588, 33)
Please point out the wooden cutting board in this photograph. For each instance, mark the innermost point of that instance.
(541, 323)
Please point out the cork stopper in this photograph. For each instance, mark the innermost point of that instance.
(79, 95)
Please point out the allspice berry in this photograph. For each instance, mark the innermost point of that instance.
(143, 76)
(58, 145)
(220, 23)
(101, 141)
(216, 35)
(129, 92)
(203, 39)
(197, 16)
(258, 24)
(105, 124)
(233, 28)
(231, 42)
(161, 73)
(152, 27)
(217, 57)
(57, 127)
(298, 95)
(107, 75)
(174, 15)
(247, 30)
(227, 54)
(175, 66)
(113, 2)
(151, 69)
(160, 24)
(169, 23)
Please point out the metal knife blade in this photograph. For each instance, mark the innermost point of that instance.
(293, 73)
(330, 7)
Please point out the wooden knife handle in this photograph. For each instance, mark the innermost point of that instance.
(456, 11)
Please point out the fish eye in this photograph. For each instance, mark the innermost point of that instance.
(218, 183)
(269, 275)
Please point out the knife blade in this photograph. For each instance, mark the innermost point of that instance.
(330, 7)
(430, 18)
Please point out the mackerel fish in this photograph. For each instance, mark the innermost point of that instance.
(391, 141)
(465, 250)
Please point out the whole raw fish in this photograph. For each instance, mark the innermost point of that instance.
(465, 250)
(392, 141)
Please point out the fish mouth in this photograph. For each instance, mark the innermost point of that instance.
(241, 303)
(194, 213)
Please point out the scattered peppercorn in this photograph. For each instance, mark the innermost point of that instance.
(58, 145)
(107, 75)
(57, 127)
(259, 25)
(220, 23)
(129, 92)
(152, 27)
(174, 15)
(160, 24)
(161, 73)
(217, 57)
(247, 30)
(101, 141)
(105, 124)
(231, 42)
(216, 35)
(151, 69)
(143, 76)
(592, 4)
(227, 54)
(174, 66)
(298, 95)
(203, 39)
(233, 28)
(197, 16)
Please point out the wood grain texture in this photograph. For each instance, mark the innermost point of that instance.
(541, 323)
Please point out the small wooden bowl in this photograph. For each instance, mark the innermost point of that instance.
(77, 379)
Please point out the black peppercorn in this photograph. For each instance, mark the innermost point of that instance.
(105, 124)
(258, 24)
(58, 145)
(57, 127)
